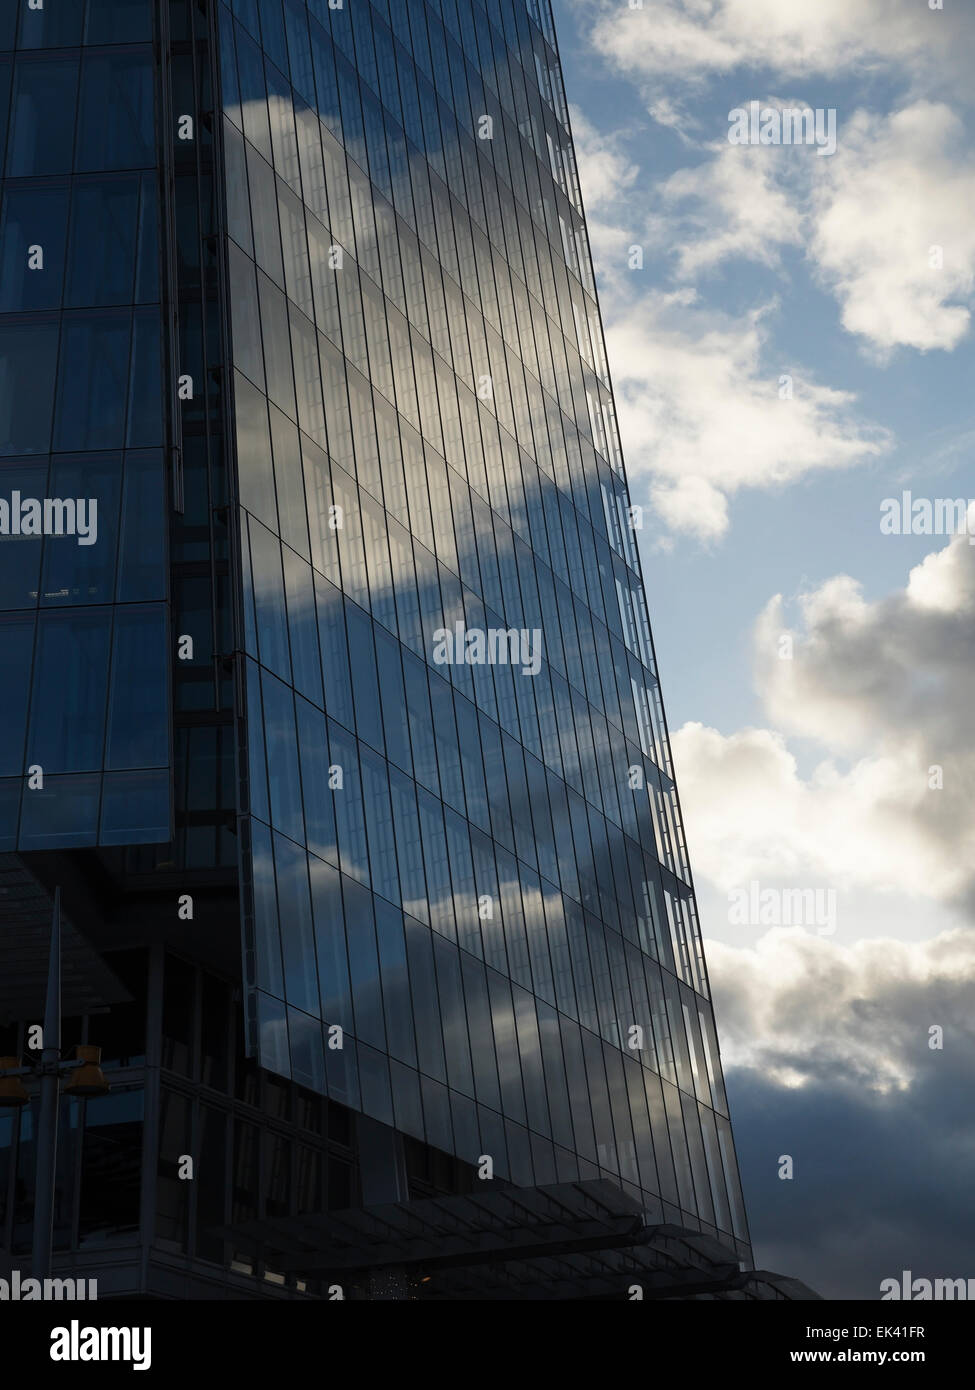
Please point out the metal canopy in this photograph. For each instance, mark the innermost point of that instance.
(569, 1240)
(87, 983)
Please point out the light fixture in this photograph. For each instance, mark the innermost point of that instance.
(88, 1079)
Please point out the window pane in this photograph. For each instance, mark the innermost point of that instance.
(20, 556)
(72, 655)
(28, 355)
(138, 719)
(146, 393)
(142, 571)
(101, 261)
(119, 21)
(122, 84)
(111, 1165)
(136, 809)
(93, 382)
(32, 235)
(62, 815)
(16, 641)
(54, 26)
(75, 573)
(43, 116)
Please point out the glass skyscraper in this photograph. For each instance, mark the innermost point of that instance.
(329, 695)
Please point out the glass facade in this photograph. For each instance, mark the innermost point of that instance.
(467, 906)
(329, 699)
(84, 581)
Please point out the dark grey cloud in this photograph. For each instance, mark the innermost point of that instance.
(879, 1125)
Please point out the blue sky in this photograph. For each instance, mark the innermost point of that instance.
(853, 273)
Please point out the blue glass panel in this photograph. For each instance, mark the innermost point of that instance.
(9, 10)
(272, 33)
(136, 808)
(254, 453)
(318, 799)
(93, 381)
(142, 550)
(407, 1109)
(426, 1005)
(349, 818)
(138, 718)
(17, 639)
(308, 1060)
(10, 788)
(63, 814)
(282, 758)
(121, 84)
(119, 21)
(71, 655)
(335, 652)
(364, 964)
(83, 573)
(42, 116)
(272, 1026)
(256, 761)
(28, 354)
(303, 626)
(272, 626)
(101, 258)
(377, 1099)
(146, 384)
(147, 261)
(294, 910)
(32, 238)
(333, 960)
(267, 939)
(54, 26)
(20, 556)
(379, 825)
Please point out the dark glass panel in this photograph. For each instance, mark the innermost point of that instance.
(172, 1191)
(81, 569)
(210, 1178)
(179, 1003)
(93, 381)
(55, 25)
(28, 356)
(142, 550)
(101, 256)
(294, 910)
(121, 1031)
(138, 732)
(115, 112)
(42, 117)
(146, 384)
(111, 1168)
(10, 789)
(62, 815)
(136, 808)
(17, 641)
(32, 237)
(317, 796)
(118, 21)
(71, 655)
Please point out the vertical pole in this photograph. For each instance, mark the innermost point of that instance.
(47, 1125)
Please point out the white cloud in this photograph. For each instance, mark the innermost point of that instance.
(872, 218)
(897, 187)
(887, 688)
(801, 1008)
(605, 171)
(739, 208)
(690, 39)
(700, 412)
